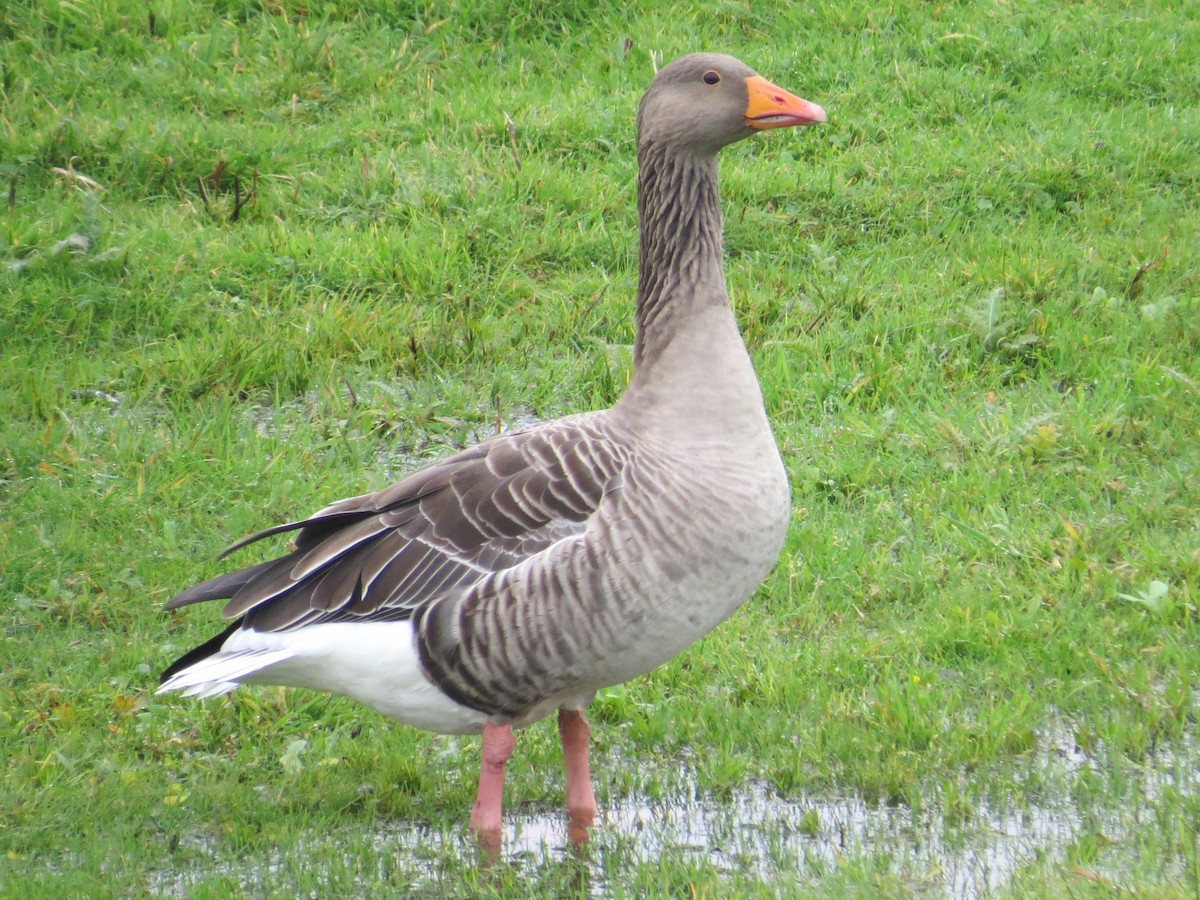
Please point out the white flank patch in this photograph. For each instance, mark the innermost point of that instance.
(375, 663)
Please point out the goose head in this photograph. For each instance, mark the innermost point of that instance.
(705, 101)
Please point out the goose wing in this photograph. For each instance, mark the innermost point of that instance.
(378, 556)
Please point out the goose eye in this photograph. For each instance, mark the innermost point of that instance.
(710, 77)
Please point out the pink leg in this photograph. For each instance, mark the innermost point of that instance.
(498, 744)
(574, 732)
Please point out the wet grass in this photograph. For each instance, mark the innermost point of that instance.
(257, 256)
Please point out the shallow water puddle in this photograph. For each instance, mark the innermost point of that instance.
(755, 832)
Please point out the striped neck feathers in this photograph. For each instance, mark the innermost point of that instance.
(681, 244)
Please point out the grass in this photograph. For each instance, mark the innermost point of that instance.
(258, 256)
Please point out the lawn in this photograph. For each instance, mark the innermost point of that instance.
(257, 255)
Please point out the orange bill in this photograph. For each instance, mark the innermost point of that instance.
(773, 107)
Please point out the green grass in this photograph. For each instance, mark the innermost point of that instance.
(305, 259)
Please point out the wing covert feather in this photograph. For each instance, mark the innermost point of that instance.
(381, 555)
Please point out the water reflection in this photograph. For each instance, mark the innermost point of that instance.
(754, 832)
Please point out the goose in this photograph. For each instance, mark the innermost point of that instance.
(516, 578)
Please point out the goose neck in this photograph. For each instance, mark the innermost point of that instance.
(680, 266)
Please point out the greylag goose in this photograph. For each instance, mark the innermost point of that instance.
(518, 577)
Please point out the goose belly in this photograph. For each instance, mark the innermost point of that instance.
(685, 607)
(684, 575)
